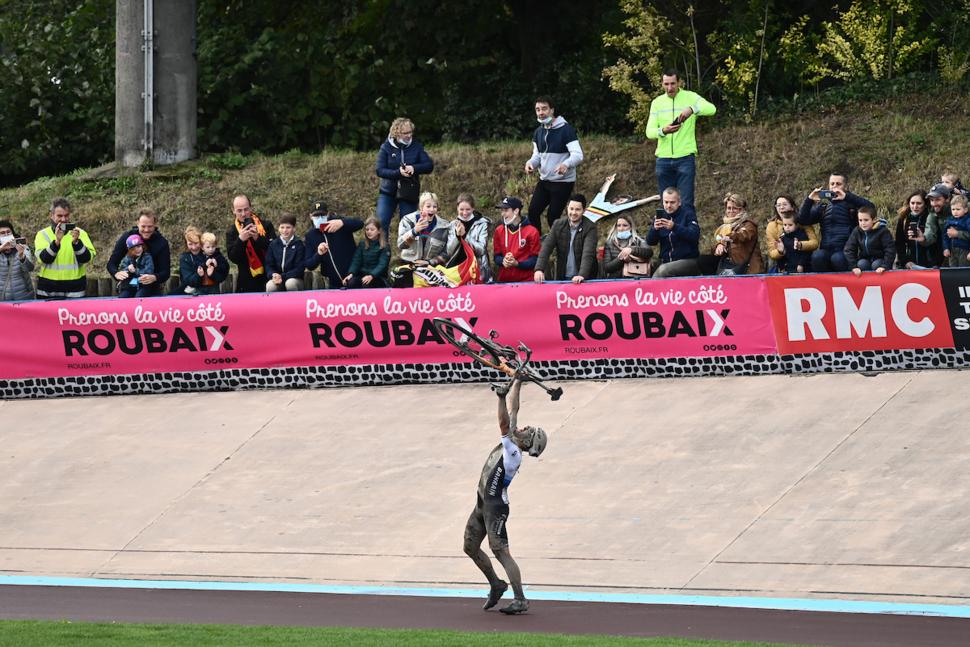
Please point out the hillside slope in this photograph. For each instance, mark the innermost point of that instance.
(888, 148)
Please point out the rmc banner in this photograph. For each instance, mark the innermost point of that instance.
(874, 312)
(599, 320)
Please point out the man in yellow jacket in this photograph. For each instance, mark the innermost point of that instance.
(673, 116)
(63, 252)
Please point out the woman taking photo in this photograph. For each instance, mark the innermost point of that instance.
(913, 251)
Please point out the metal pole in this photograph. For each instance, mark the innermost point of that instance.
(148, 95)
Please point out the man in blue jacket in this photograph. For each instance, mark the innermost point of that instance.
(678, 234)
(330, 243)
(837, 211)
(555, 154)
(155, 244)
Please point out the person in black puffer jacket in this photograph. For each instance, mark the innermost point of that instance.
(870, 245)
(837, 211)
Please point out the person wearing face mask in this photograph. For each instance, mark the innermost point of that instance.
(401, 161)
(473, 227)
(330, 244)
(626, 254)
(515, 244)
(555, 154)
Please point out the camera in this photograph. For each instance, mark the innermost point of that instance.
(67, 226)
(20, 240)
(825, 194)
(247, 222)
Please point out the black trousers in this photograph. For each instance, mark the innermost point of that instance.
(554, 195)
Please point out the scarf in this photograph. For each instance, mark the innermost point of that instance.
(254, 258)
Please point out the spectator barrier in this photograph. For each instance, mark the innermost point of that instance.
(700, 326)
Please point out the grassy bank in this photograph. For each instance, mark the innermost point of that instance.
(72, 634)
(887, 148)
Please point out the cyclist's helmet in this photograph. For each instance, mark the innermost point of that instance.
(537, 440)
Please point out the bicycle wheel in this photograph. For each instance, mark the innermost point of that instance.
(481, 350)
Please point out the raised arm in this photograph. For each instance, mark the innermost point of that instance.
(507, 414)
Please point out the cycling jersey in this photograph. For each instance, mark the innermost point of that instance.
(499, 470)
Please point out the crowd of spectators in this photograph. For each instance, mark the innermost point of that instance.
(833, 229)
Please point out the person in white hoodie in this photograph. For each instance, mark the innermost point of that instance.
(555, 155)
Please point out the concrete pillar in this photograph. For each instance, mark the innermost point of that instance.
(173, 120)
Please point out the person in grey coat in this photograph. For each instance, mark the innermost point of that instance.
(16, 264)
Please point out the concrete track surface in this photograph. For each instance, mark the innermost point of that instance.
(836, 487)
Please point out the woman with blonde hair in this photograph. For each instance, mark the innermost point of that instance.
(736, 246)
(423, 234)
(625, 254)
(401, 161)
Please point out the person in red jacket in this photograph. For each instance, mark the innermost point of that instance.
(515, 244)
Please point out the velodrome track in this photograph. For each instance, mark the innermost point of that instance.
(839, 499)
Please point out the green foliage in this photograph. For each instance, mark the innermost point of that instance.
(953, 65)
(229, 160)
(872, 39)
(954, 54)
(636, 73)
(739, 48)
(273, 79)
(56, 85)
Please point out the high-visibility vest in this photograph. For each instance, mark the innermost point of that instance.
(65, 266)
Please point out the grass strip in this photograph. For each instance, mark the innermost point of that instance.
(31, 633)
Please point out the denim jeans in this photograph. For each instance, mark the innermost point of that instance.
(677, 172)
(865, 264)
(386, 204)
(828, 260)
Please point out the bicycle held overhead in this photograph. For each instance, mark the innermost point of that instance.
(513, 361)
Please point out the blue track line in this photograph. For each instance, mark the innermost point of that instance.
(740, 602)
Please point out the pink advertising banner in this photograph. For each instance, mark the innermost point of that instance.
(614, 319)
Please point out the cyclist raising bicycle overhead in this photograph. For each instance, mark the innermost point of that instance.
(492, 506)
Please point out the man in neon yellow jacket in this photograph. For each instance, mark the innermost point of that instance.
(673, 116)
(63, 253)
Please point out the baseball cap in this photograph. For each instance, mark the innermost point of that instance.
(939, 191)
(318, 207)
(509, 203)
(134, 240)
